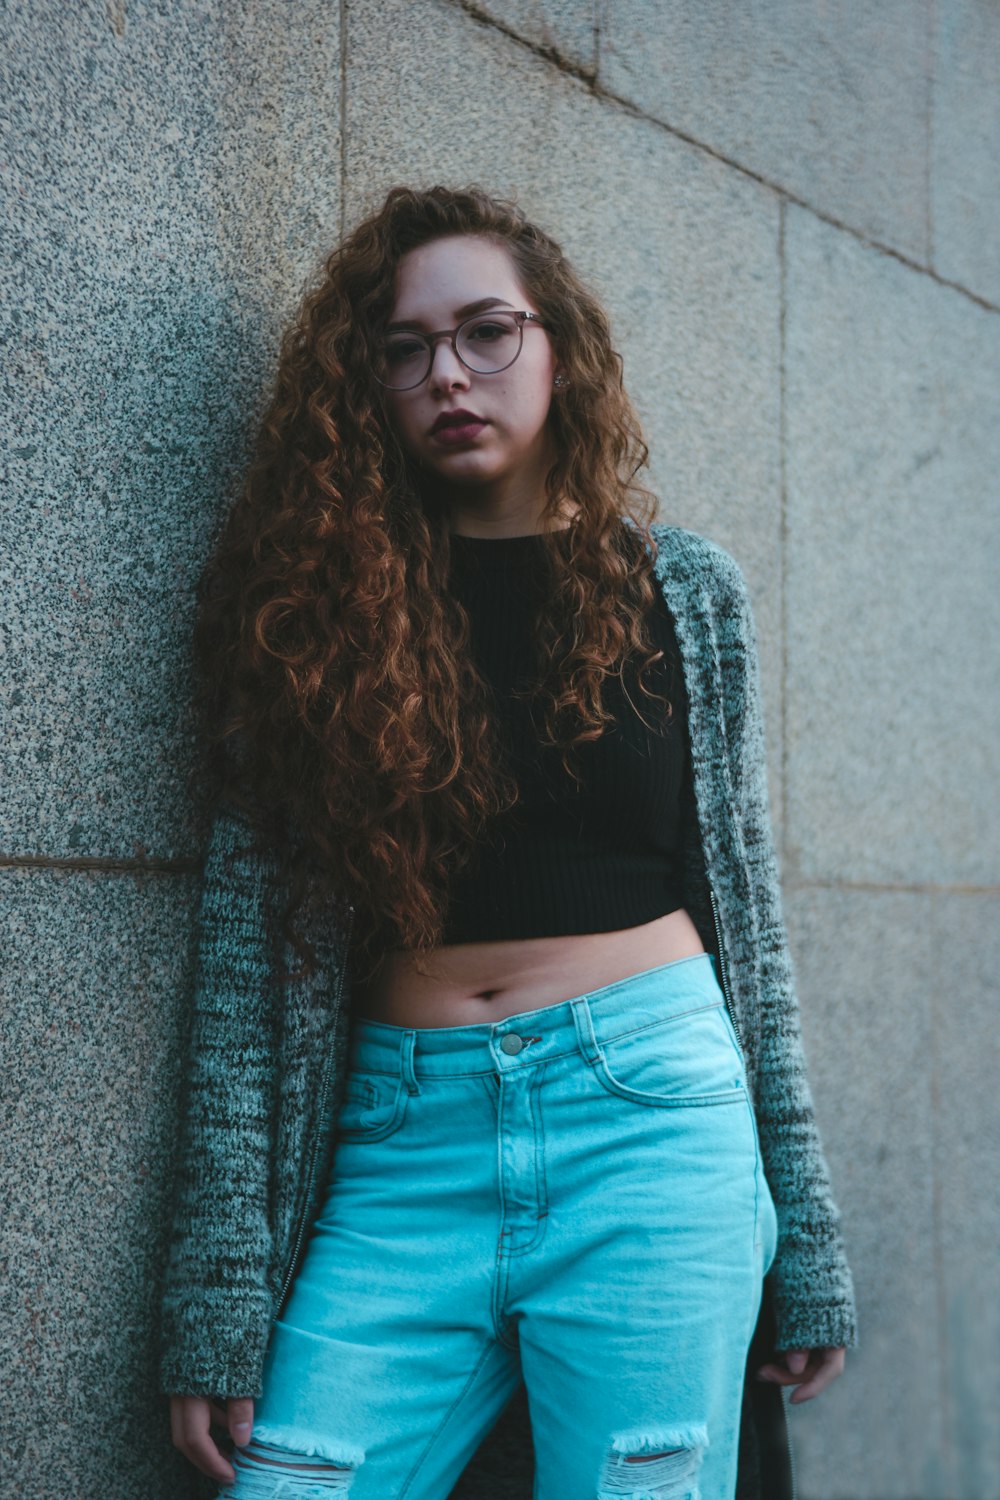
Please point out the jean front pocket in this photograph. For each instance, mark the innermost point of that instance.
(373, 1106)
(685, 1060)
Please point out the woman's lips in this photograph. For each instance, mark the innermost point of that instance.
(453, 433)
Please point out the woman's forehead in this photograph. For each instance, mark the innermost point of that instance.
(444, 277)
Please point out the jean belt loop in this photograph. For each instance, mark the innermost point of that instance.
(406, 1061)
(584, 1022)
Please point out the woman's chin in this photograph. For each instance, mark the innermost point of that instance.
(464, 468)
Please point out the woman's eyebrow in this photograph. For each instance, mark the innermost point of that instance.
(460, 312)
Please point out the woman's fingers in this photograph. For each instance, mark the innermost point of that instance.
(787, 1368)
(241, 1420)
(189, 1423)
(811, 1370)
(819, 1372)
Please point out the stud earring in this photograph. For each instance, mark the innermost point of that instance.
(559, 381)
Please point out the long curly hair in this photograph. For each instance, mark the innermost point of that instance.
(335, 695)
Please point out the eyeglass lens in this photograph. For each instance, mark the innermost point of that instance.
(485, 344)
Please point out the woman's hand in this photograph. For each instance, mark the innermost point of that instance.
(190, 1419)
(817, 1367)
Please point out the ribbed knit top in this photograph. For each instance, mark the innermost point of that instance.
(595, 857)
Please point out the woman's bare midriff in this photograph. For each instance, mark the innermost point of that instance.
(469, 983)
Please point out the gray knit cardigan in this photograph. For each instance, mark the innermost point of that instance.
(266, 1063)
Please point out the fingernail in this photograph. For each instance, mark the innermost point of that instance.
(241, 1430)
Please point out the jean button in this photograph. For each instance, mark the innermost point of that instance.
(511, 1043)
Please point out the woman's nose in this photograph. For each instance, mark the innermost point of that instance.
(446, 367)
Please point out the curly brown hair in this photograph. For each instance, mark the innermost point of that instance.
(335, 694)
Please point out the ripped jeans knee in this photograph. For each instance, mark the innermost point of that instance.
(271, 1470)
(654, 1466)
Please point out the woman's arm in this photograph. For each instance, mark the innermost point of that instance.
(813, 1286)
(215, 1307)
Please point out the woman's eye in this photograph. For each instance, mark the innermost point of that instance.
(402, 350)
(487, 332)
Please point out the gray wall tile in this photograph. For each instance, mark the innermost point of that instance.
(893, 683)
(966, 1056)
(898, 991)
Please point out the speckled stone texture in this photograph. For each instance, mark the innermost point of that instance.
(91, 1046)
(791, 214)
(171, 176)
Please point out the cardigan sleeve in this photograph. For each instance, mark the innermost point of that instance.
(813, 1285)
(215, 1306)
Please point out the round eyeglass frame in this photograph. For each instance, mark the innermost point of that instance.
(431, 339)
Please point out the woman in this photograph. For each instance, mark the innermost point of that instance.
(531, 1117)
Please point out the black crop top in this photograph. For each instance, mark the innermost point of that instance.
(595, 857)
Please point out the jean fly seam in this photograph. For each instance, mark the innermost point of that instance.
(501, 1265)
(535, 1108)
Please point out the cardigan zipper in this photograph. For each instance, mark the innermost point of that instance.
(722, 971)
(791, 1446)
(324, 1090)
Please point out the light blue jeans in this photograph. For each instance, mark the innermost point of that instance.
(574, 1194)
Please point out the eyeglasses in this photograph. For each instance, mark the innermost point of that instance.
(486, 344)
